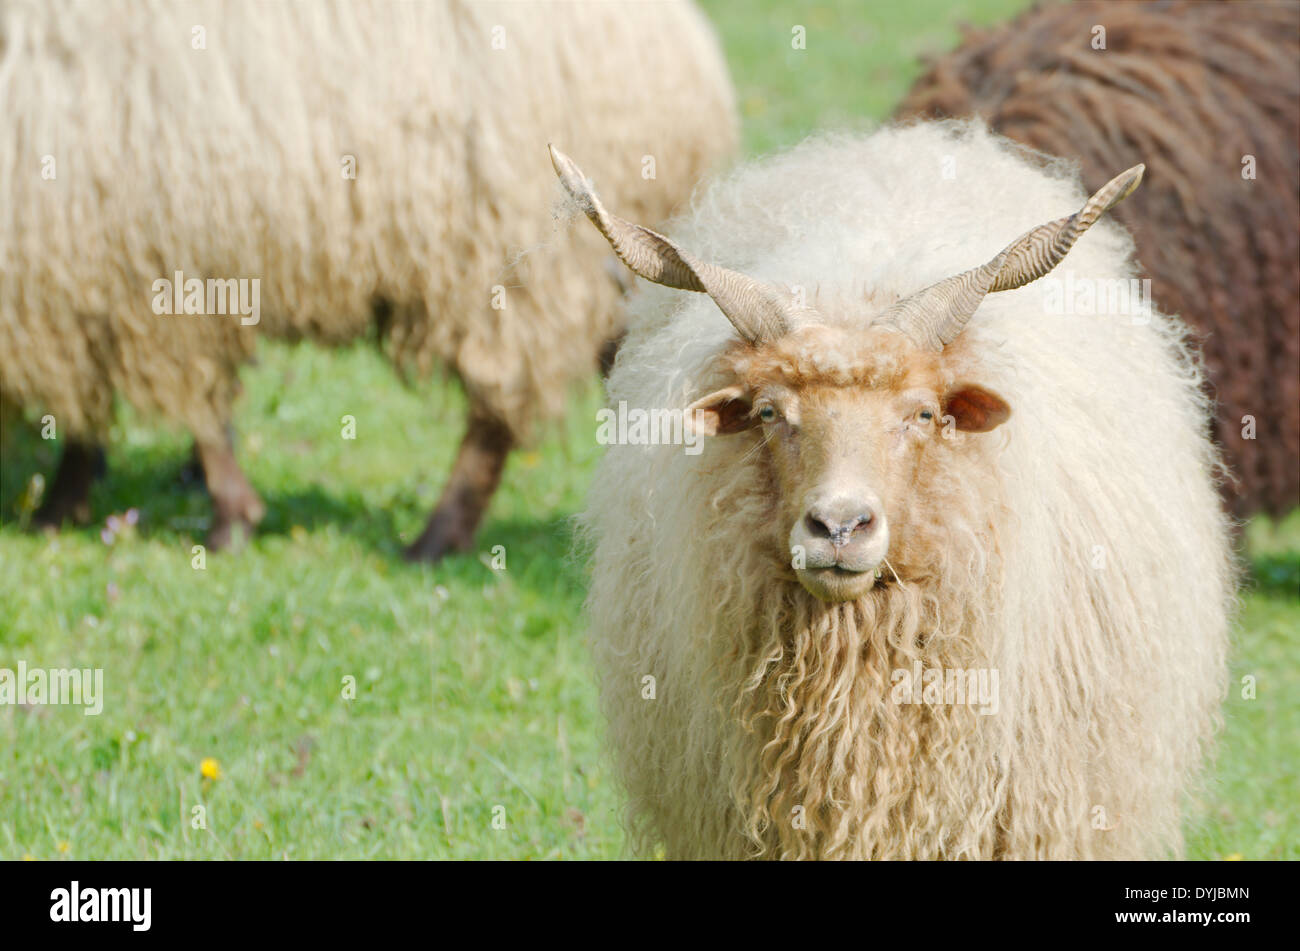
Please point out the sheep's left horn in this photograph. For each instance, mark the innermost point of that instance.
(758, 311)
(936, 315)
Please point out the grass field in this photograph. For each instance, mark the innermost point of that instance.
(474, 699)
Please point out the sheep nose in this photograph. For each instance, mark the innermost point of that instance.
(841, 520)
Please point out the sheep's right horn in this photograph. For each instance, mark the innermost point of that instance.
(757, 310)
(935, 315)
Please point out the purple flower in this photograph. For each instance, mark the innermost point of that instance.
(132, 516)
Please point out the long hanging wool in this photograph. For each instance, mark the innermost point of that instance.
(354, 158)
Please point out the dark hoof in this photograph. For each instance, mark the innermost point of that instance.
(68, 499)
(55, 511)
(228, 535)
(434, 545)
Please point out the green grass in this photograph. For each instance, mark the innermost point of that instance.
(857, 61)
(1252, 810)
(473, 690)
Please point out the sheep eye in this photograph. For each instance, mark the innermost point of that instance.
(767, 414)
(926, 415)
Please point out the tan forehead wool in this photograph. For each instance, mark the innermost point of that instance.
(835, 356)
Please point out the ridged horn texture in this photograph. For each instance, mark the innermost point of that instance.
(933, 317)
(758, 311)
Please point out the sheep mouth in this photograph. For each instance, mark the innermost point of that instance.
(836, 583)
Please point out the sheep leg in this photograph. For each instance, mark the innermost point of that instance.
(235, 506)
(474, 478)
(69, 496)
(609, 353)
(192, 471)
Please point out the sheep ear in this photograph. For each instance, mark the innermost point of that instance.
(975, 409)
(722, 413)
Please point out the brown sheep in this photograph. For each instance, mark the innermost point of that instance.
(1208, 96)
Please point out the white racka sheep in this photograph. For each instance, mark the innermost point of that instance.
(928, 592)
(353, 164)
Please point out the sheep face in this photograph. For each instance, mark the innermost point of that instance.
(851, 423)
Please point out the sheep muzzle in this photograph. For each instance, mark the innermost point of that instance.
(839, 544)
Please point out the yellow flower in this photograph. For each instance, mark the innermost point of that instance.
(63, 847)
(210, 768)
(28, 857)
(1234, 857)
